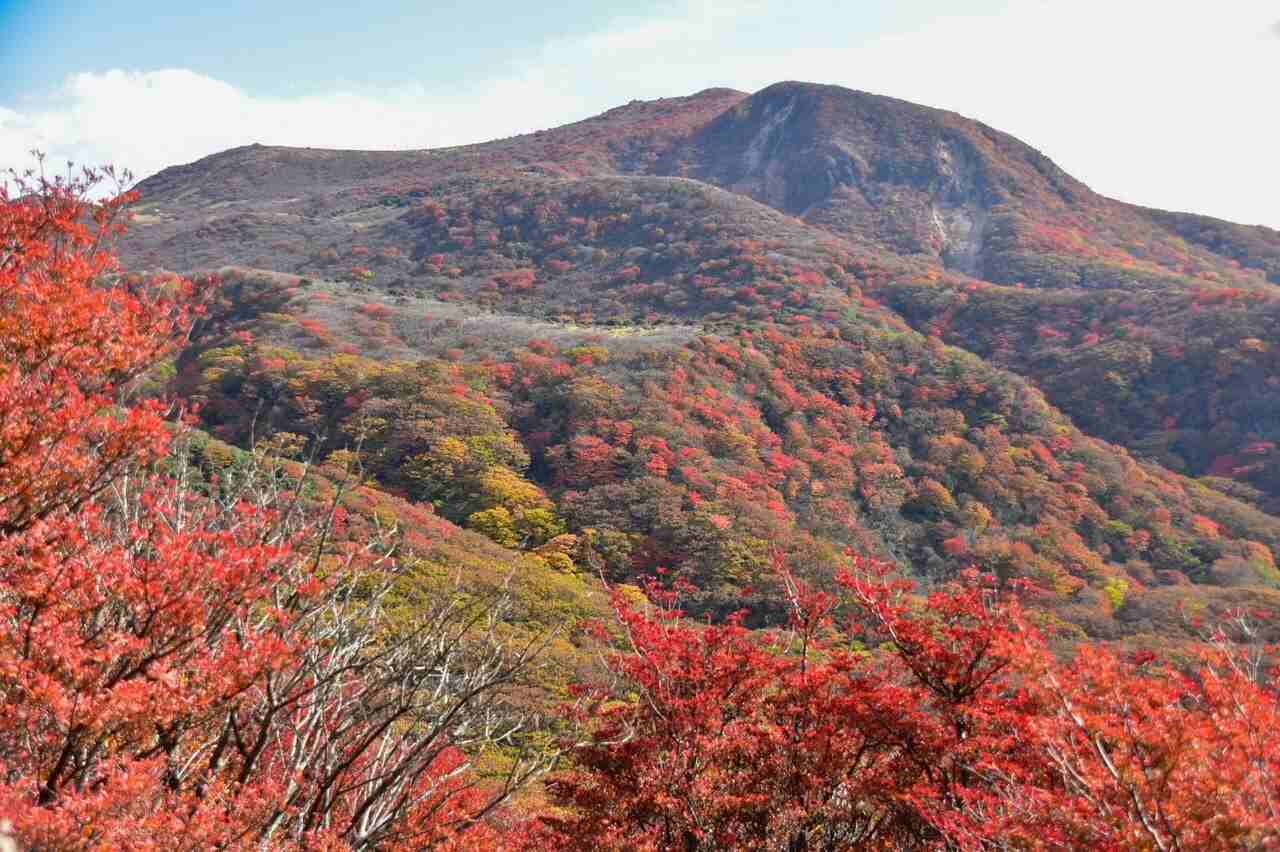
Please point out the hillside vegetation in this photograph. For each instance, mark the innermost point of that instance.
(840, 461)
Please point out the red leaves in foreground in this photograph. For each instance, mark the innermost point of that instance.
(174, 673)
(67, 346)
(940, 722)
(131, 615)
(174, 676)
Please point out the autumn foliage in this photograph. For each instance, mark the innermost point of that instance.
(886, 719)
(68, 346)
(181, 665)
(194, 659)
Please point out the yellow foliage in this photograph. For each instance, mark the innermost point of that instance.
(343, 460)
(218, 454)
(975, 515)
(1115, 589)
(934, 495)
(286, 445)
(560, 562)
(496, 524)
(501, 486)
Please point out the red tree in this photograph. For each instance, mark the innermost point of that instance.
(940, 722)
(130, 614)
(172, 672)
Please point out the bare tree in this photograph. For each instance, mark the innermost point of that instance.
(395, 677)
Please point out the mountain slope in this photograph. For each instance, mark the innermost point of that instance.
(916, 179)
(924, 199)
(930, 182)
(675, 308)
(872, 169)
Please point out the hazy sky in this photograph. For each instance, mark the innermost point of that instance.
(1170, 104)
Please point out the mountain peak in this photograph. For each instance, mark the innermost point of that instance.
(798, 252)
(919, 179)
(877, 171)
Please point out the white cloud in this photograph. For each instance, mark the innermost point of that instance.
(1168, 105)
(147, 120)
(692, 28)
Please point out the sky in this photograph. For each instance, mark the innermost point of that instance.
(1169, 104)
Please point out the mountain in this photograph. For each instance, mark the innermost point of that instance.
(933, 183)
(699, 334)
(872, 169)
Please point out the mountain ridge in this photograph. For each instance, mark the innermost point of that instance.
(866, 167)
(751, 320)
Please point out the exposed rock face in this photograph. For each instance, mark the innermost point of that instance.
(961, 230)
(918, 179)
